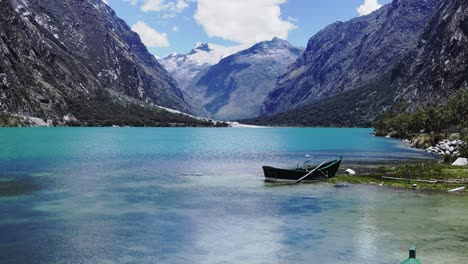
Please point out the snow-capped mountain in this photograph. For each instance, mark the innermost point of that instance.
(185, 67)
(236, 87)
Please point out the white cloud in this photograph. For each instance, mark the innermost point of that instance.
(175, 28)
(293, 19)
(156, 5)
(150, 37)
(368, 7)
(169, 15)
(243, 21)
(181, 5)
(133, 2)
(160, 5)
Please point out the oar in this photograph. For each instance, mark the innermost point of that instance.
(310, 172)
(305, 162)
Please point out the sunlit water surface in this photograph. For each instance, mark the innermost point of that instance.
(116, 195)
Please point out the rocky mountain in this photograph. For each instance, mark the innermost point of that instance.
(429, 73)
(349, 55)
(236, 87)
(185, 67)
(57, 57)
(438, 65)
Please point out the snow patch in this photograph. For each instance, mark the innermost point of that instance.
(184, 68)
(239, 125)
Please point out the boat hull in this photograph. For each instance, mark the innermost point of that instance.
(324, 172)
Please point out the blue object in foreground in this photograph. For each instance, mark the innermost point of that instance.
(412, 257)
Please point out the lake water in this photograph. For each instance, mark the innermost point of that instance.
(161, 195)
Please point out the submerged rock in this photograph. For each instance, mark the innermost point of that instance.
(341, 185)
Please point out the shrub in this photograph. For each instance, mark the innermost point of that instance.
(444, 119)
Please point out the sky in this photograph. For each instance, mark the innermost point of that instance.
(175, 26)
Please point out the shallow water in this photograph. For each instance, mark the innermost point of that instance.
(198, 196)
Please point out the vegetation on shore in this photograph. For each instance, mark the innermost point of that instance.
(103, 110)
(427, 126)
(439, 121)
(353, 108)
(423, 128)
(426, 176)
(7, 120)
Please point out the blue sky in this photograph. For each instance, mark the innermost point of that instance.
(167, 26)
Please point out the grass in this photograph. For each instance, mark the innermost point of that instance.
(414, 172)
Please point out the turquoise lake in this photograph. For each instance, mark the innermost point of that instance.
(192, 195)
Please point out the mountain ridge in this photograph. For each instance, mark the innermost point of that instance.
(346, 55)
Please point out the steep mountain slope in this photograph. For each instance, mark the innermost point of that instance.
(438, 65)
(354, 108)
(184, 67)
(347, 55)
(57, 56)
(237, 86)
(430, 72)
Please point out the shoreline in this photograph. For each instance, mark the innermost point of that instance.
(421, 175)
(427, 174)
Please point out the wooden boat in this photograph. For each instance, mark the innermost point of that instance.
(303, 173)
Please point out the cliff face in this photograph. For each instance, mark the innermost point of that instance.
(348, 55)
(55, 54)
(438, 65)
(236, 87)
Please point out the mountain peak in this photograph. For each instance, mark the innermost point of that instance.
(269, 45)
(200, 46)
(277, 40)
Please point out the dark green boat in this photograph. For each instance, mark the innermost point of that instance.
(303, 173)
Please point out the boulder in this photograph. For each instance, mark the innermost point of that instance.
(350, 172)
(460, 162)
(444, 146)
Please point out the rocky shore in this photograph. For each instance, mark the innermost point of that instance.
(447, 147)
